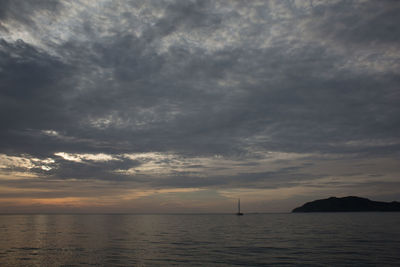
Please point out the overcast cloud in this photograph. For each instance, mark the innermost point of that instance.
(140, 105)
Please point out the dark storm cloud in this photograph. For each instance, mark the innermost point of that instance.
(169, 89)
(32, 87)
(101, 170)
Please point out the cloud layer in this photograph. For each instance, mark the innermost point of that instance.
(211, 95)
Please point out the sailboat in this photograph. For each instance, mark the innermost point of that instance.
(239, 213)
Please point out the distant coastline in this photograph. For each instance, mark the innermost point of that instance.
(347, 204)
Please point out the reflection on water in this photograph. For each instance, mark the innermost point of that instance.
(185, 240)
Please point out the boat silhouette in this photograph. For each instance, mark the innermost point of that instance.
(239, 213)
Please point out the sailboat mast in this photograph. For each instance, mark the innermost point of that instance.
(239, 213)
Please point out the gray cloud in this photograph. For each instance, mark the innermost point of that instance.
(363, 23)
(22, 11)
(198, 79)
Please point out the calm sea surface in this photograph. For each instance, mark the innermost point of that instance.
(317, 239)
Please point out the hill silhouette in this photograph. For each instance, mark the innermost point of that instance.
(351, 203)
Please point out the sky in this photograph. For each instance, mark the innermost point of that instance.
(186, 106)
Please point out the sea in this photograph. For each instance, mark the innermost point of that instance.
(286, 239)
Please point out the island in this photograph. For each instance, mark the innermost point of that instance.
(347, 204)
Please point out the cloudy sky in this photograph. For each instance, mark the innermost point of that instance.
(184, 106)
